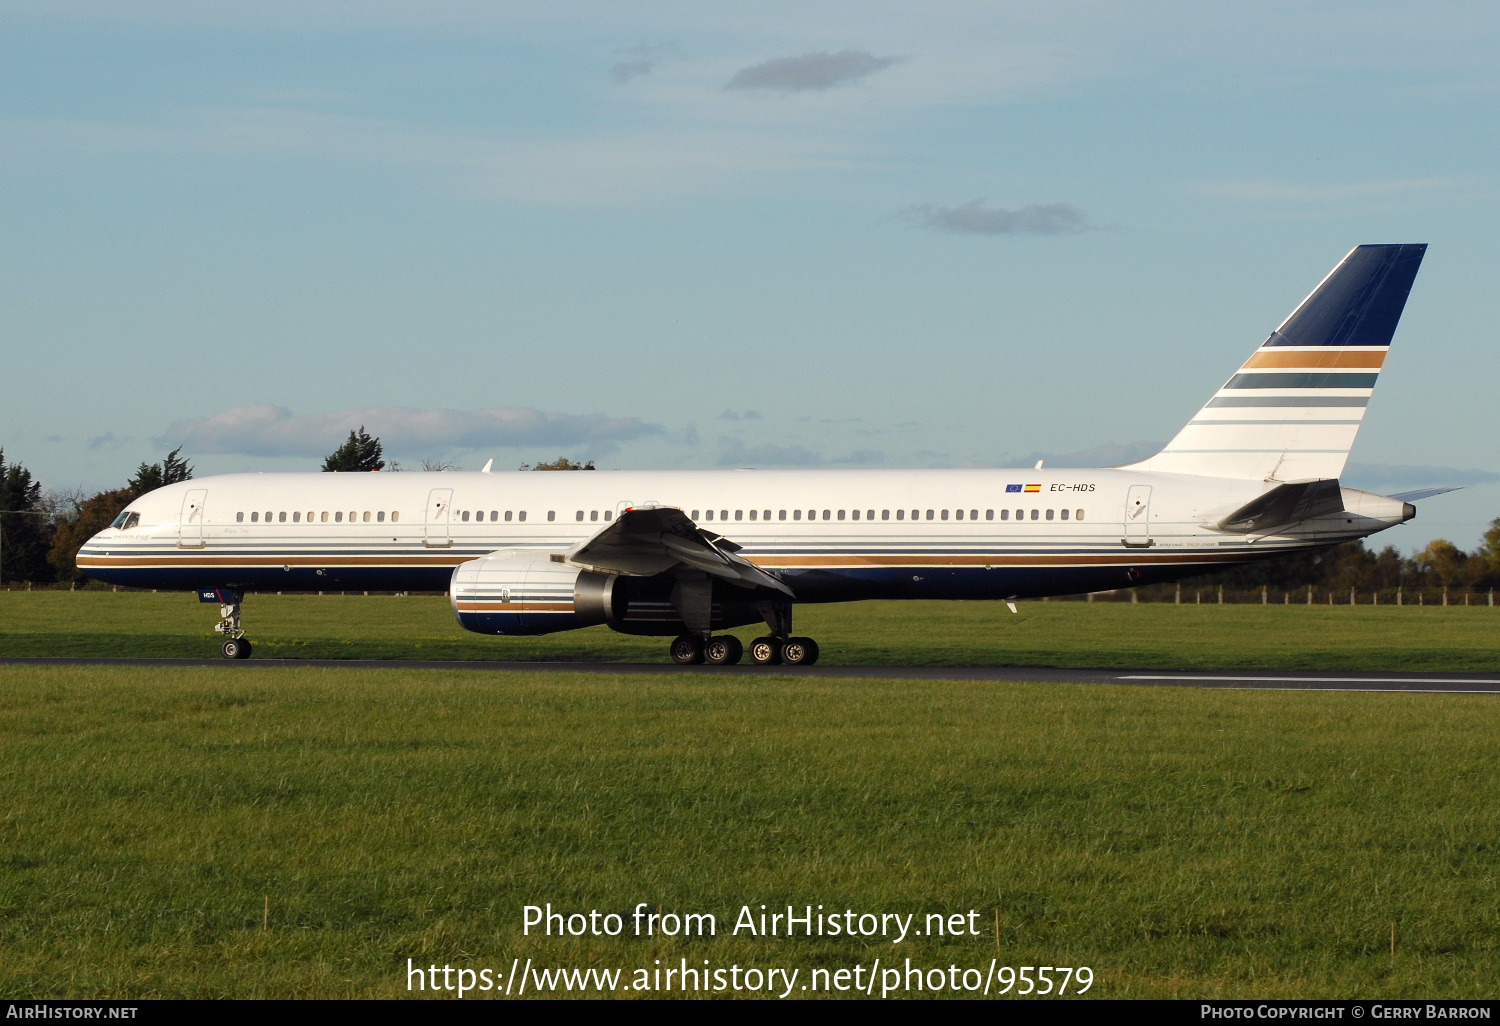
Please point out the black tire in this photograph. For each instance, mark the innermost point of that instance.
(235, 648)
(687, 650)
(799, 652)
(765, 651)
(724, 650)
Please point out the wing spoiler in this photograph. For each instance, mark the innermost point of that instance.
(645, 541)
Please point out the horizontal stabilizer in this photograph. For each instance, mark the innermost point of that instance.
(1425, 493)
(1285, 504)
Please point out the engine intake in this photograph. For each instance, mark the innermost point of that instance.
(518, 591)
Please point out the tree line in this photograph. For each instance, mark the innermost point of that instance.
(41, 533)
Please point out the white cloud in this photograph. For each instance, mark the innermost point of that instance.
(815, 71)
(975, 218)
(267, 430)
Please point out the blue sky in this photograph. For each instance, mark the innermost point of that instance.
(695, 235)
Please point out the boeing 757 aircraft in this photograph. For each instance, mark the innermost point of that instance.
(1252, 476)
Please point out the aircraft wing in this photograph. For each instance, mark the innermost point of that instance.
(641, 542)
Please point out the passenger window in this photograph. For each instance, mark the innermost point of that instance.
(708, 514)
(796, 514)
(958, 514)
(752, 514)
(367, 516)
(1065, 514)
(551, 515)
(255, 516)
(739, 514)
(1049, 514)
(989, 514)
(593, 515)
(929, 514)
(973, 514)
(1036, 514)
(507, 516)
(1020, 514)
(723, 514)
(580, 516)
(1079, 515)
(900, 514)
(323, 517)
(781, 514)
(855, 514)
(395, 515)
(338, 517)
(943, 515)
(608, 515)
(828, 514)
(1005, 514)
(297, 517)
(380, 517)
(521, 516)
(766, 514)
(885, 514)
(239, 518)
(281, 518)
(841, 514)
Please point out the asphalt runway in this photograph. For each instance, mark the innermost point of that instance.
(1449, 683)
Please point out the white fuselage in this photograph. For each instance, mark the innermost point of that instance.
(830, 535)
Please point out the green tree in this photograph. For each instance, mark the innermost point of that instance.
(360, 453)
(151, 476)
(561, 463)
(1444, 565)
(24, 528)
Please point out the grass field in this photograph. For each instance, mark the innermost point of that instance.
(1103, 634)
(176, 832)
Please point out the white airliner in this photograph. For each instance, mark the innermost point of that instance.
(1253, 475)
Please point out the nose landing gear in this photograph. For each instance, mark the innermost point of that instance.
(236, 645)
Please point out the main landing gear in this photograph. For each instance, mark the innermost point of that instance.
(726, 650)
(236, 645)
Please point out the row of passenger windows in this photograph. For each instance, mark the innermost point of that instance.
(886, 514)
(336, 517)
(519, 516)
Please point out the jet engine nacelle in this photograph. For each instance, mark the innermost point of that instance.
(521, 591)
(516, 591)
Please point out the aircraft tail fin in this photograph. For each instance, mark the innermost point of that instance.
(1293, 409)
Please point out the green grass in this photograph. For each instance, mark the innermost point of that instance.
(1181, 842)
(1101, 634)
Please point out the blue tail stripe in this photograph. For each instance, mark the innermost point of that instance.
(1359, 303)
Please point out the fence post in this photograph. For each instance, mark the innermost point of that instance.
(1445, 594)
(1351, 596)
(1221, 594)
(1286, 598)
(1309, 594)
(1265, 594)
(1398, 596)
(1177, 598)
(1135, 596)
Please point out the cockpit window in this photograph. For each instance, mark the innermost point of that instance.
(126, 520)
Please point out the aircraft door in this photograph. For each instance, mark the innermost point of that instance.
(439, 509)
(190, 523)
(1138, 517)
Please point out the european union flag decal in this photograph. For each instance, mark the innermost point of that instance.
(1012, 488)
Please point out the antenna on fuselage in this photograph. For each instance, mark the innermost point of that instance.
(488, 465)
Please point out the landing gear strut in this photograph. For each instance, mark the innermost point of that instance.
(236, 645)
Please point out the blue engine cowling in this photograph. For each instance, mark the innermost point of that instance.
(516, 591)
